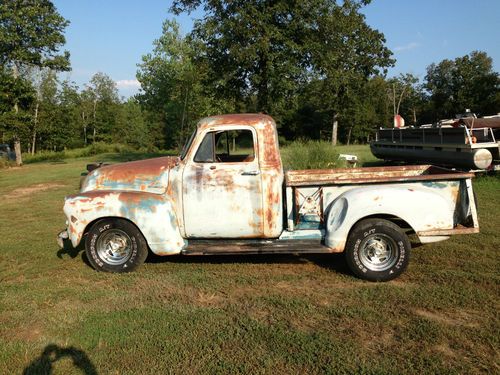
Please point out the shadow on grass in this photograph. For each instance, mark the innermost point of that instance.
(52, 353)
(332, 262)
(69, 250)
(73, 252)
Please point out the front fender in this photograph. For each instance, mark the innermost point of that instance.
(153, 214)
(421, 207)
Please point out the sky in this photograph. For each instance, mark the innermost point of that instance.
(111, 36)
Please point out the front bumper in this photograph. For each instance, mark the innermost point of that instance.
(61, 237)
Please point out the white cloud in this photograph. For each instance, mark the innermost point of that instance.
(407, 47)
(128, 84)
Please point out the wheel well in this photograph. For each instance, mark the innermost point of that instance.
(89, 225)
(393, 219)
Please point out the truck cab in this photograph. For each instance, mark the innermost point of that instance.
(231, 187)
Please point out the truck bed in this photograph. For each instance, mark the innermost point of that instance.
(309, 193)
(358, 176)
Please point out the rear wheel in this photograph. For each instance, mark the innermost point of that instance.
(377, 250)
(115, 245)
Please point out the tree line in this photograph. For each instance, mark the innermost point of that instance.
(316, 66)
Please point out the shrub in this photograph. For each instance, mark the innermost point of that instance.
(93, 149)
(307, 154)
(5, 163)
(44, 156)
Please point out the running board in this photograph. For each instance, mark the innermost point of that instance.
(230, 247)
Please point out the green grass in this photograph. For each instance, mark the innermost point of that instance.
(252, 314)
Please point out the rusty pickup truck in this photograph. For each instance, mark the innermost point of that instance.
(227, 193)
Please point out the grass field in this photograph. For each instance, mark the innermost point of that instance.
(252, 314)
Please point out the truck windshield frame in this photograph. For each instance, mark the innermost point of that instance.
(187, 145)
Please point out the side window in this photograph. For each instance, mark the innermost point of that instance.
(235, 146)
(229, 146)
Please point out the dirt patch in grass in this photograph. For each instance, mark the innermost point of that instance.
(24, 192)
(11, 169)
(451, 318)
(380, 342)
(28, 333)
(209, 299)
(445, 350)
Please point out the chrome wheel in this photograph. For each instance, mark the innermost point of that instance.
(378, 252)
(114, 247)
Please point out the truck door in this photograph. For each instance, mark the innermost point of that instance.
(222, 186)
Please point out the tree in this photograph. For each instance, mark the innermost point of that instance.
(466, 82)
(263, 53)
(14, 93)
(31, 33)
(367, 108)
(172, 87)
(253, 49)
(69, 124)
(368, 111)
(44, 107)
(407, 97)
(101, 104)
(346, 53)
(132, 127)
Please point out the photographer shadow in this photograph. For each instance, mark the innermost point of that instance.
(44, 364)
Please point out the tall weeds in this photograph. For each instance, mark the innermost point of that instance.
(308, 154)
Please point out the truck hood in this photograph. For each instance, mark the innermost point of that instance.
(150, 175)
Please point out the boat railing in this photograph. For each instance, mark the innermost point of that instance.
(438, 135)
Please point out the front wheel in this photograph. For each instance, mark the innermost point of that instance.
(115, 245)
(377, 250)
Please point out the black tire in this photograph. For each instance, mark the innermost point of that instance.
(115, 245)
(377, 250)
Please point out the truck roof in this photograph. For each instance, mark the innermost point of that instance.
(251, 119)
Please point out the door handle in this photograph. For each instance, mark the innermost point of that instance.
(250, 173)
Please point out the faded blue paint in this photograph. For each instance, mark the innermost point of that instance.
(436, 184)
(147, 204)
(153, 214)
(302, 235)
(309, 222)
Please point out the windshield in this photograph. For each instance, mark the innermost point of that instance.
(187, 145)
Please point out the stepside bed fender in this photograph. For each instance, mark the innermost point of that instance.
(420, 207)
(153, 214)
